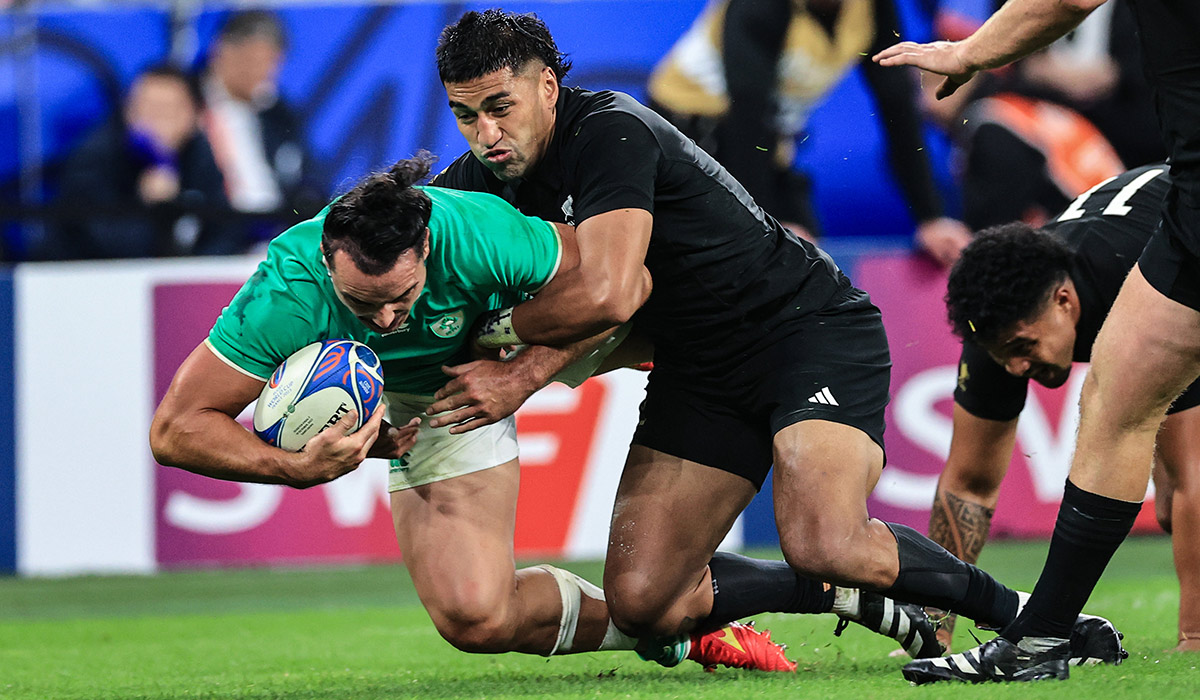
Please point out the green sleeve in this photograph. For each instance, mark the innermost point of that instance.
(266, 322)
(489, 241)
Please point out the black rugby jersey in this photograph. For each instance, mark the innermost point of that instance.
(1170, 38)
(725, 272)
(1106, 229)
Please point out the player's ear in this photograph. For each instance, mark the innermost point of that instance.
(425, 246)
(324, 257)
(1064, 295)
(549, 85)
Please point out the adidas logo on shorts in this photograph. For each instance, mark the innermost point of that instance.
(823, 397)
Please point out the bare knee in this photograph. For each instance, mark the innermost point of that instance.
(841, 557)
(638, 607)
(1117, 415)
(475, 622)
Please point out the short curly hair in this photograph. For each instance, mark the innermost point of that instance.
(1003, 277)
(382, 218)
(484, 42)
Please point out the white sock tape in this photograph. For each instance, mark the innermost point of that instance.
(570, 591)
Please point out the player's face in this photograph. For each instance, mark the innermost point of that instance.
(1041, 348)
(507, 118)
(381, 302)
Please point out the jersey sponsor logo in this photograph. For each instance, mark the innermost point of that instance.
(964, 376)
(448, 325)
(402, 328)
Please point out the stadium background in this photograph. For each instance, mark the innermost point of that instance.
(86, 349)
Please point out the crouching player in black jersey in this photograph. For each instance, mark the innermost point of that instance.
(1028, 303)
(764, 353)
(1148, 351)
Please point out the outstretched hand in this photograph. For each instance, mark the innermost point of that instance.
(479, 393)
(941, 57)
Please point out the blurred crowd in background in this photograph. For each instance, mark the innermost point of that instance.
(207, 157)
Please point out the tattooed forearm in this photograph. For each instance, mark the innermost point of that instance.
(959, 526)
(962, 528)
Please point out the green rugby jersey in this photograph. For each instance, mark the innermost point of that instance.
(483, 255)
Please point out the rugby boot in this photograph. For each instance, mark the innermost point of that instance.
(735, 645)
(998, 660)
(738, 645)
(1094, 640)
(906, 623)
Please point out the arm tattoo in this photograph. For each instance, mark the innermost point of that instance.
(959, 526)
(962, 528)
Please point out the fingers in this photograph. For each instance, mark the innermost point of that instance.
(452, 387)
(948, 87)
(889, 56)
(448, 403)
(406, 441)
(394, 441)
(472, 424)
(457, 370)
(404, 432)
(366, 437)
(370, 429)
(377, 415)
(453, 417)
(345, 424)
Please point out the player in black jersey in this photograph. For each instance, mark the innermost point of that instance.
(1037, 299)
(764, 353)
(1148, 351)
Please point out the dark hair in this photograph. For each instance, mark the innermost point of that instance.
(168, 71)
(382, 218)
(484, 42)
(252, 24)
(1003, 277)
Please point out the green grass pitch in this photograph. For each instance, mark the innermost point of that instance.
(361, 633)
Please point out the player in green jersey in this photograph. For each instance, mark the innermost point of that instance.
(407, 270)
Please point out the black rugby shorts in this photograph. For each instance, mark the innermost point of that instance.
(1171, 259)
(833, 365)
(1190, 398)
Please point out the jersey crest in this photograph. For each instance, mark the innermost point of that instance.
(449, 325)
(568, 210)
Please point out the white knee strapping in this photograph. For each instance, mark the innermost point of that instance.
(571, 588)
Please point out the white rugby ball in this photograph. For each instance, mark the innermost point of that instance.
(314, 388)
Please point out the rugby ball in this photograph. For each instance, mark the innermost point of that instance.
(314, 388)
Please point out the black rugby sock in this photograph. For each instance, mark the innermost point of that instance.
(1088, 531)
(929, 575)
(743, 586)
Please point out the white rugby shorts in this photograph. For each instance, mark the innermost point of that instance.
(438, 455)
